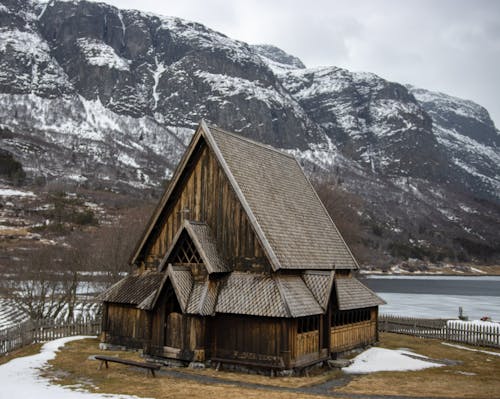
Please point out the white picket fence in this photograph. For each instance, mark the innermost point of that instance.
(472, 333)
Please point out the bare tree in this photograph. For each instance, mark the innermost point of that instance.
(52, 277)
(111, 246)
(43, 287)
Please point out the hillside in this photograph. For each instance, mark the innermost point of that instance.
(103, 98)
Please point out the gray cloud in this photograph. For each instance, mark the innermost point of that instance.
(448, 45)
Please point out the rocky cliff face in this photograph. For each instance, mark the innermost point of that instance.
(109, 98)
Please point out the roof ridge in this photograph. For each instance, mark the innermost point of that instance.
(281, 290)
(251, 141)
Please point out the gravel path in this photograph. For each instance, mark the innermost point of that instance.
(324, 389)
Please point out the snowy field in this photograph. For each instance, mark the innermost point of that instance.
(20, 378)
(10, 315)
(440, 306)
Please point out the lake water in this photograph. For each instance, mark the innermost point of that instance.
(438, 296)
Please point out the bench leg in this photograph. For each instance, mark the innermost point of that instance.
(152, 373)
(105, 362)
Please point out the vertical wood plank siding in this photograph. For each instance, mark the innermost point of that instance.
(126, 325)
(307, 343)
(206, 192)
(242, 338)
(349, 336)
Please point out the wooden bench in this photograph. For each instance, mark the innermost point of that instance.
(151, 367)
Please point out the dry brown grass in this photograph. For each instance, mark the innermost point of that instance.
(26, 351)
(491, 269)
(73, 367)
(447, 381)
(14, 231)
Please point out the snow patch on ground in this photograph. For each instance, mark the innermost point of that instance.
(21, 377)
(8, 192)
(127, 160)
(380, 359)
(470, 349)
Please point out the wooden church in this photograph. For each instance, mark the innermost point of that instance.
(240, 263)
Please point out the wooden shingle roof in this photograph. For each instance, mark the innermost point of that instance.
(133, 290)
(204, 241)
(250, 294)
(244, 293)
(287, 216)
(319, 283)
(352, 294)
(182, 282)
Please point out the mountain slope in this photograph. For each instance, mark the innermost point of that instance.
(109, 98)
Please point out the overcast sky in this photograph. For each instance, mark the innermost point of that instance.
(451, 46)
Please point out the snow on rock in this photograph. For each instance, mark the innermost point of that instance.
(229, 86)
(40, 70)
(160, 68)
(380, 359)
(99, 53)
(26, 43)
(225, 87)
(21, 377)
(127, 160)
(204, 38)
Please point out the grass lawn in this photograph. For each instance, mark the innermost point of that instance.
(477, 375)
(73, 367)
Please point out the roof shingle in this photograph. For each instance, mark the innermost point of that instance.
(352, 294)
(293, 221)
(133, 290)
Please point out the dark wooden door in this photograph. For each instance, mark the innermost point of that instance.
(175, 330)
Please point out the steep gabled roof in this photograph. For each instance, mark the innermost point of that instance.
(287, 216)
(352, 294)
(204, 242)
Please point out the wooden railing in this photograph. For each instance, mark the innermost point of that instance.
(484, 334)
(31, 332)
(348, 336)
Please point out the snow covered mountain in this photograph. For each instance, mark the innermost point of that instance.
(109, 98)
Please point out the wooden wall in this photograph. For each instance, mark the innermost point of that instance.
(206, 192)
(125, 325)
(249, 340)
